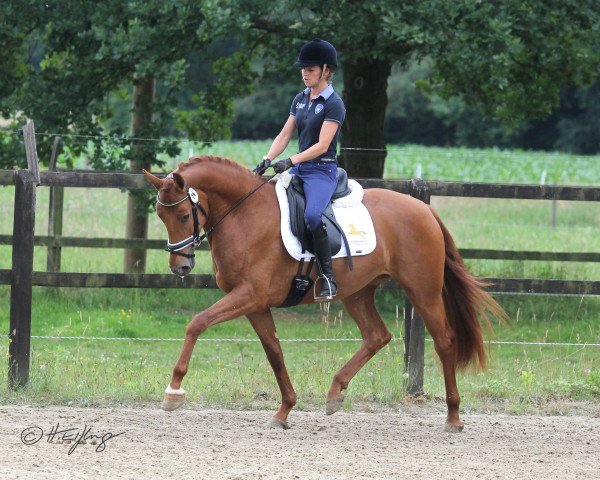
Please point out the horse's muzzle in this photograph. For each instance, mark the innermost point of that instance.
(182, 266)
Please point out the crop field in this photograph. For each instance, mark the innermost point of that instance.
(521, 378)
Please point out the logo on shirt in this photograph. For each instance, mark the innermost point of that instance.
(300, 105)
(318, 108)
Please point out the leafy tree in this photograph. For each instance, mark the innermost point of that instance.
(578, 121)
(17, 57)
(92, 49)
(509, 58)
(260, 114)
(356, 29)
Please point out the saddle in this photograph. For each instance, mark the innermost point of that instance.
(302, 282)
(297, 203)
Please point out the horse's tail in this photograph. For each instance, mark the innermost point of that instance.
(465, 301)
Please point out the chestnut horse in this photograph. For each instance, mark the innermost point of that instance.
(240, 214)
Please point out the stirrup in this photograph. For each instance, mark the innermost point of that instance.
(324, 298)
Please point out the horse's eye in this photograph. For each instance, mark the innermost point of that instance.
(185, 218)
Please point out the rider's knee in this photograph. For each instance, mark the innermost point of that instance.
(312, 218)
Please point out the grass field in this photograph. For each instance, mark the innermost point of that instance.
(236, 374)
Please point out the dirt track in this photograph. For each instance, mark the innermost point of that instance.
(236, 445)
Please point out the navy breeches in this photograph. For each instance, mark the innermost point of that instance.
(320, 180)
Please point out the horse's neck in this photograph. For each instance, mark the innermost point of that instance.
(239, 201)
(222, 184)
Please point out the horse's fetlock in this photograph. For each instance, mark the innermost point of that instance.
(290, 400)
(343, 383)
(453, 400)
(180, 370)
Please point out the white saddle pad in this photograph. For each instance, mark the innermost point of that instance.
(351, 214)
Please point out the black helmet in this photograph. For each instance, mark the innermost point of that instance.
(317, 52)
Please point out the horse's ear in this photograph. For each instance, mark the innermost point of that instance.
(179, 180)
(154, 180)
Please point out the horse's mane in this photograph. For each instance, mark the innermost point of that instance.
(214, 159)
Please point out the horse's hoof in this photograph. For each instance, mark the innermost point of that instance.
(454, 428)
(276, 423)
(332, 406)
(172, 401)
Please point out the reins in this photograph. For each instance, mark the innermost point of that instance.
(196, 239)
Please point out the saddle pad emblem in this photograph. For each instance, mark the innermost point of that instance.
(353, 231)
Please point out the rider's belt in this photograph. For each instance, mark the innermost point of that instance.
(324, 160)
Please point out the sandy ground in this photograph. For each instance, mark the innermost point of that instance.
(148, 443)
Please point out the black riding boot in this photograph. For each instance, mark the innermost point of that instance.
(323, 253)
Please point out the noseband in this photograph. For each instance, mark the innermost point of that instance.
(195, 239)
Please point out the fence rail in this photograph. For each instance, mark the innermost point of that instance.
(152, 244)
(22, 277)
(87, 179)
(527, 286)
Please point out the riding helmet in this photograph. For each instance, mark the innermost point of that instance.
(317, 52)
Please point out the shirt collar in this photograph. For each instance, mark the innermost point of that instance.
(326, 93)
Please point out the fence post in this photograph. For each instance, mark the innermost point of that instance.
(55, 215)
(22, 269)
(31, 150)
(414, 328)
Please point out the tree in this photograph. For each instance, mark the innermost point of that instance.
(17, 57)
(356, 29)
(92, 49)
(509, 58)
(512, 57)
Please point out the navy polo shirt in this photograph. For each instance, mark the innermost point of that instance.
(310, 116)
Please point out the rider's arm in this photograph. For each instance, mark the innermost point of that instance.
(282, 139)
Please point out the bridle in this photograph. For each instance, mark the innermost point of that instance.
(196, 239)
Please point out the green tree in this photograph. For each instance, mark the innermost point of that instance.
(509, 58)
(356, 28)
(17, 56)
(93, 49)
(512, 57)
(413, 117)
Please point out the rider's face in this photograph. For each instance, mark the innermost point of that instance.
(312, 75)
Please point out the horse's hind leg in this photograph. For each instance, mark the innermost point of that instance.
(265, 329)
(433, 314)
(375, 335)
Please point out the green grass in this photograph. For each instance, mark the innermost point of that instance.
(236, 374)
(492, 165)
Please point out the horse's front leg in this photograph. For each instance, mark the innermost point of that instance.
(265, 329)
(236, 303)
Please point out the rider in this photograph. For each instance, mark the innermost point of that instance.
(318, 113)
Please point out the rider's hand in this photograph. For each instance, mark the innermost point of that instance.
(262, 166)
(282, 165)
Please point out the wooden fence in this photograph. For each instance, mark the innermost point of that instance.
(22, 278)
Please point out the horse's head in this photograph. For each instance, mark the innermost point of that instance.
(180, 209)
